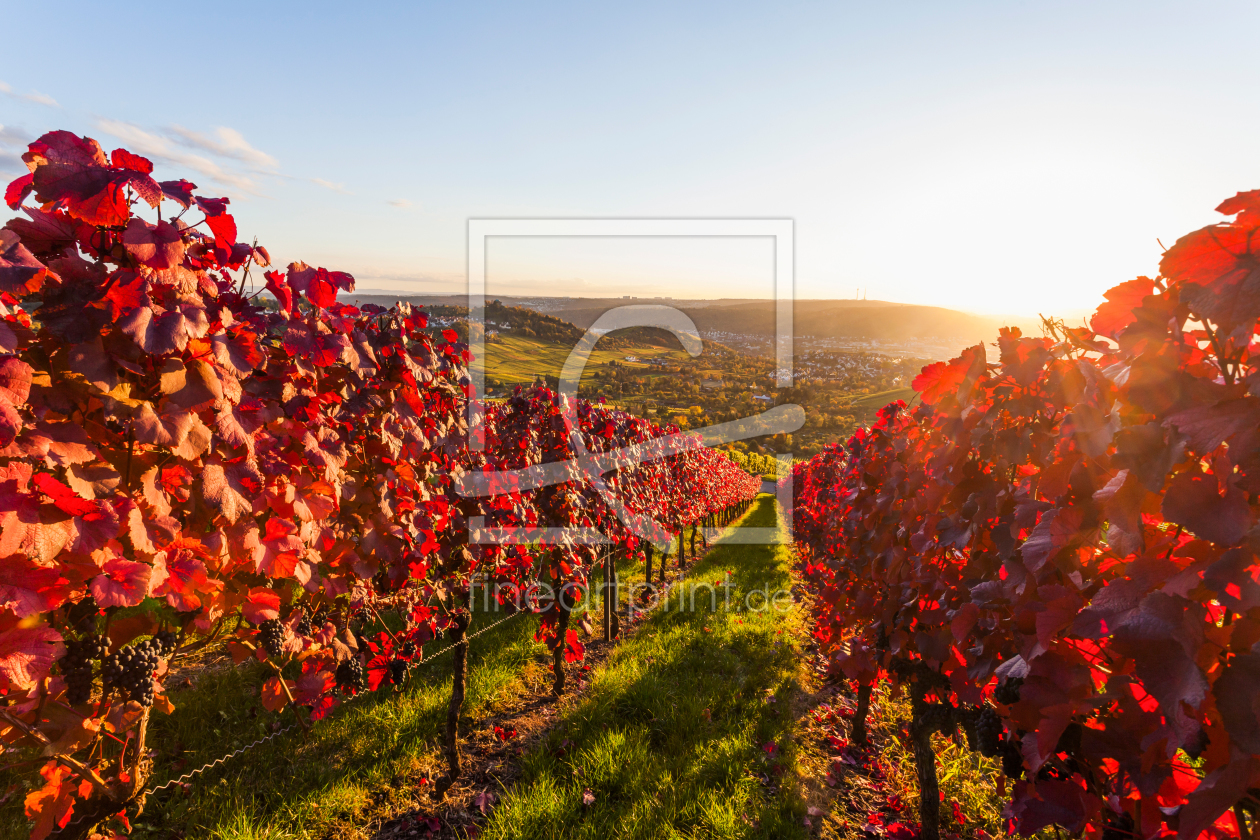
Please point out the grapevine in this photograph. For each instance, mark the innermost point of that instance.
(1066, 537)
(168, 437)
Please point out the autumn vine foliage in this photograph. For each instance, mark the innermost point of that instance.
(185, 463)
(1057, 553)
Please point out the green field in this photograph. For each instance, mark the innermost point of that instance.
(517, 360)
(883, 398)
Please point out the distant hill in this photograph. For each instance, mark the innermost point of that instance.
(822, 319)
(529, 323)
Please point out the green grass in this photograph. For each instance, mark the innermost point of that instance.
(298, 786)
(669, 736)
(883, 398)
(516, 360)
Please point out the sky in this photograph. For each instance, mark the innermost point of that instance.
(995, 157)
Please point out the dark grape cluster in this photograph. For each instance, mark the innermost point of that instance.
(304, 626)
(164, 642)
(397, 671)
(351, 676)
(993, 742)
(131, 670)
(76, 666)
(271, 636)
(1007, 691)
(988, 732)
(966, 717)
(408, 649)
(937, 717)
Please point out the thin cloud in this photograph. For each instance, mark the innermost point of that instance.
(400, 203)
(224, 142)
(10, 136)
(34, 96)
(329, 185)
(156, 146)
(174, 143)
(13, 142)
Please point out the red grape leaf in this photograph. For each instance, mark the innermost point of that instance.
(63, 497)
(65, 147)
(191, 387)
(178, 191)
(52, 806)
(238, 352)
(1216, 794)
(263, 604)
(27, 588)
(15, 380)
(1194, 500)
(20, 273)
(319, 284)
(160, 331)
(124, 583)
(1219, 274)
(938, 380)
(231, 489)
(224, 229)
(278, 285)
(1237, 693)
(18, 190)
(158, 246)
(1118, 312)
(179, 575)
(273, 695)
(1208, 426)
(123, 159)
(280, 547)
(27, 655)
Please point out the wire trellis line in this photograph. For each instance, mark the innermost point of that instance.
(191, 774)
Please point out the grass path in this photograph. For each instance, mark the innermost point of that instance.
(686, 731)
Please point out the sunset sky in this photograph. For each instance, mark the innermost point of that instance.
(997, 157)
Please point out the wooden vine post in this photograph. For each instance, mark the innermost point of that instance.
(562, 629)
(608, 595)
(459, 674)
(922, 728)
(648, 548)
(859, 734)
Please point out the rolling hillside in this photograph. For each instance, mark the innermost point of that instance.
(870, 320)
